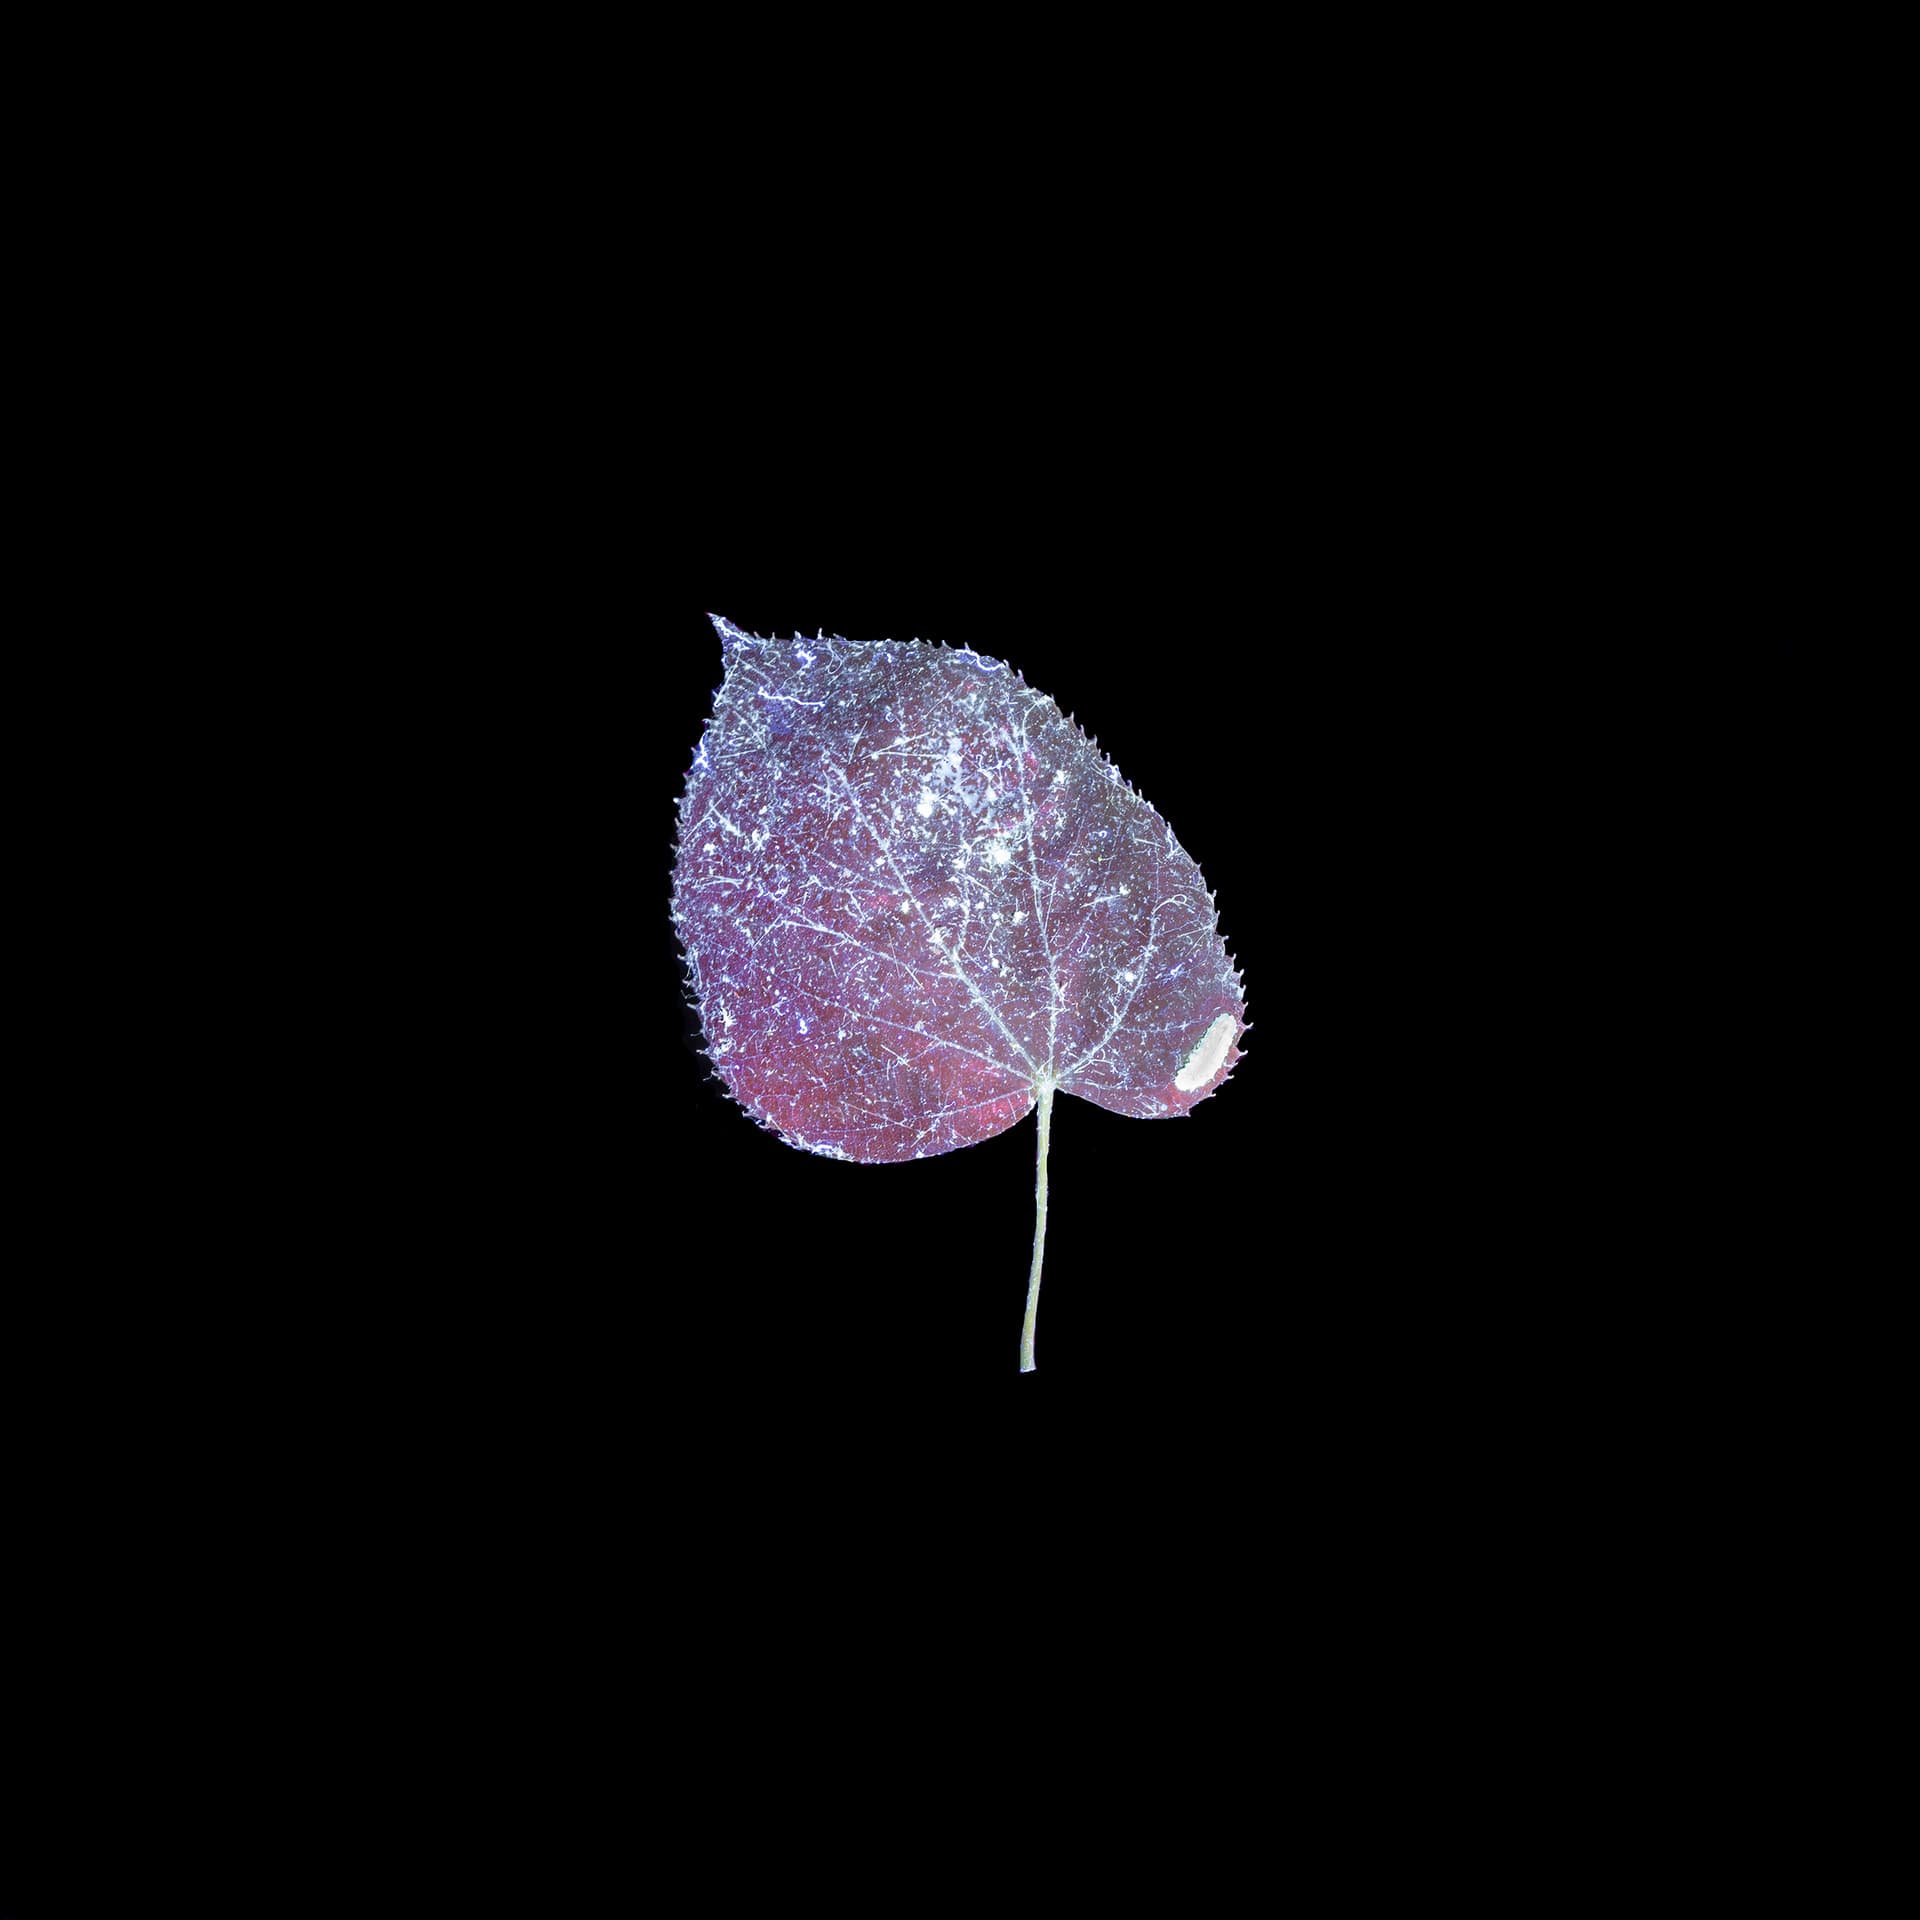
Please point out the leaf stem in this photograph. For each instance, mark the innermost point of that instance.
(1039, 1228)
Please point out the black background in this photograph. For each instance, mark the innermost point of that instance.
(517, 1363)
(523, 1391)
(434, 1358)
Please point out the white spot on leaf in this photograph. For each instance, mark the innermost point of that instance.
(1204, 1061)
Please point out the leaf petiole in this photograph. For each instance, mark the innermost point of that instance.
(1039, 1228)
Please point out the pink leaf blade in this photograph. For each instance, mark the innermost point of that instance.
(913, 893)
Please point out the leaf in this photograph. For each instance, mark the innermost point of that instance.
(916, 901)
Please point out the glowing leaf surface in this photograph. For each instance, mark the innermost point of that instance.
(913, 896)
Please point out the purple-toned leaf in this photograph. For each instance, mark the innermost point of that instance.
(916, 900)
